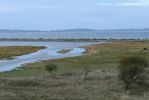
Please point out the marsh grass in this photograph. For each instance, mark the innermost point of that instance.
(67, 82)
(63, 51)
(98, 86)
(8, 52)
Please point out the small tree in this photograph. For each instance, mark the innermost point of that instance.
(132, 70)
(50, 67)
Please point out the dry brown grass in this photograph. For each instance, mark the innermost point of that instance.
(100, 85)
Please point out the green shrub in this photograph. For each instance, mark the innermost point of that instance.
(50, 67)
(132, 70)
(145, 49)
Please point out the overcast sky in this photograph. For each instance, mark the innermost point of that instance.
(67, 14)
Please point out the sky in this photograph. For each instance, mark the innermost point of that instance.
(69, 14)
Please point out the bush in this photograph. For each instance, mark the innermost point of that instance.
(50, 67)
(145, 49)
(132, 70)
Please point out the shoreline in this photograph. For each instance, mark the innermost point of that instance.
(89, 50)
(70, 40)
(20, 59)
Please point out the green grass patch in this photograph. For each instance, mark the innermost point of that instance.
(63, 51)
(8, 52)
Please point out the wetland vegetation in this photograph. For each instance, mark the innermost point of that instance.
(63, 51)
(8, 52)
(33, 81)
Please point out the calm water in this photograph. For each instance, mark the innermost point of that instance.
(99, 34)
(49, 53)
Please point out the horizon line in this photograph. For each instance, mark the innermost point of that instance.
(72, 29)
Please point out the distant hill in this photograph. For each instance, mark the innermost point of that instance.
(71, 30)
(145, 29)
(92, 30)
(14, 31)
(75, 30)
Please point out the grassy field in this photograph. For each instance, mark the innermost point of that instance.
(8, 52)
(33, 82)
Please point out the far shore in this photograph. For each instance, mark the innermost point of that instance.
(70, 40)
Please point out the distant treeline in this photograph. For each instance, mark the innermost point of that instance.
(70, 40)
